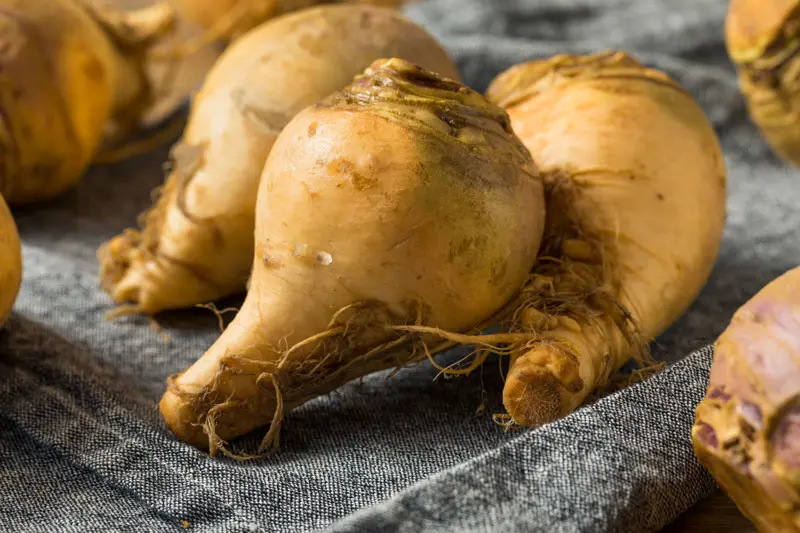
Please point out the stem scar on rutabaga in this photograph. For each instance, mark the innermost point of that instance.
(10, 262)
(747, 428)
(632, 229)
(69, 72)
(196, 244)
(431, 194)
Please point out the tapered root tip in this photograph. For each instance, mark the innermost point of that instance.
(183, 420)
(147, 282)
(534, 396)
(115, 258)
(121, 267)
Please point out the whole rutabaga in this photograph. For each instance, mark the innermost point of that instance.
(68, 70)
(747, 428)
(635, 210)
(763, 40)
(228, 20)
(196, 244)
(10, 262)
(399, 201)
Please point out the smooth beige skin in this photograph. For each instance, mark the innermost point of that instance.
(747, 428)
(652, 184)
(230, 19)
(64, 78)
(256, 87)
(376, 219)
(10, 262)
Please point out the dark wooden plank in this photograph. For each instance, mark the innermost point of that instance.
(715, 514)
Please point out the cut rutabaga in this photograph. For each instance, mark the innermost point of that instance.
(68, 69)
(747, 428)
(397, 201)
(636, 191)
(763, 41)
(10, 262)
(196, 244)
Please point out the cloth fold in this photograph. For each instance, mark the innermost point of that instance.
(82, 446)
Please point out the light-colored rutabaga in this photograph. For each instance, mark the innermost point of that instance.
(68, 71)
(400, 200)
(229, 19)
(196, 244)
(10, 262)
(636, 189)
(747, 428)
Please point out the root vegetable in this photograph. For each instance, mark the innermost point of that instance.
(399, 200)
(67, 70)
(747, 428)
(632, 228)
(197, 242)
(228, 20)
(10, 262)
(763, 40)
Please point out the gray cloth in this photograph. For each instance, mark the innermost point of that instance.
(82, 447)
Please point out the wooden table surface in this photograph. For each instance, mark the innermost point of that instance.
(715, 514)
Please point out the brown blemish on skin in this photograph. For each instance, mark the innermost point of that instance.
(266, 260)
(311, 43)
(359, 180)
(454, 121)
(312, 194)
(366, 20)
(423, 78)
(659, 196)
(457, 249)
(499, 271)
(94, 70)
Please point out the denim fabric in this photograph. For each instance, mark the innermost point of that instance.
(82, 446)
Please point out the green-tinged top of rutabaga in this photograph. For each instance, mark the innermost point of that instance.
(399, 90)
